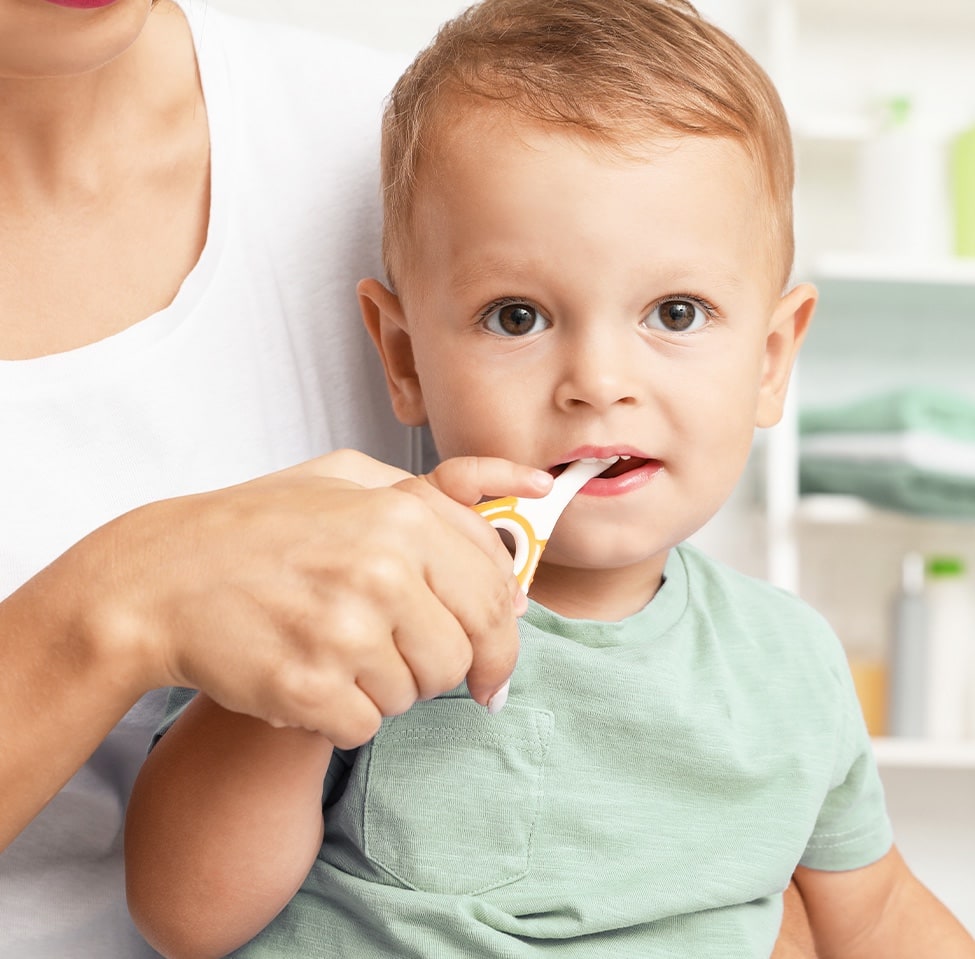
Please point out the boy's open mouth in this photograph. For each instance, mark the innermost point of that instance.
(623, 465)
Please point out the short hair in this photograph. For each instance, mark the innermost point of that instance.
(617, 71)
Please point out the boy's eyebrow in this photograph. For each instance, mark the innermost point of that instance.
(673, 276)
(489, 268)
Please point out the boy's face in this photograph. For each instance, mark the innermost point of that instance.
(558, 301)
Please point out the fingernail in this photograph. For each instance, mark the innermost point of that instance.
(542, 479)
(521, 603)
(496, 703)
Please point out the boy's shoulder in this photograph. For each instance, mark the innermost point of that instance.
(755, 621)
(705, 571)
(720, 590)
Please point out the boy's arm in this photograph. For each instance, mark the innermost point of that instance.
(795, 937)
(224, 822)
(880, 911)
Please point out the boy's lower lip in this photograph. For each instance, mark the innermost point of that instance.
(625, 482)
(82, 4)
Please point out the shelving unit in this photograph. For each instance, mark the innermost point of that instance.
(894, 753)
(928, 276)
(882, 322)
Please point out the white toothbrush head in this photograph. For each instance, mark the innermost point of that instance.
(530, 521)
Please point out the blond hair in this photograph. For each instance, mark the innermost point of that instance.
(618, 71)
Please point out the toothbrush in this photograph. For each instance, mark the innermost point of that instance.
(531, 521)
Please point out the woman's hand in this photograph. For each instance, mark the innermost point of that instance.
(309, 599)
(324, 596)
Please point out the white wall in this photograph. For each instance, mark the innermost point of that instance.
(403, 25)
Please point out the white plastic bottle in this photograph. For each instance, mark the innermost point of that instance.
(903, 185)
(950, 605)
(906, 701)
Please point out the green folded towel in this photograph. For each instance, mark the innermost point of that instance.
(918, 409)
(911, 450)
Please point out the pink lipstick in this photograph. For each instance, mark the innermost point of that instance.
(82, 4)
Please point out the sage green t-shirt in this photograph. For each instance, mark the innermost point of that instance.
(647, 792)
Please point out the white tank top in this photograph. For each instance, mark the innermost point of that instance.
(260, 362)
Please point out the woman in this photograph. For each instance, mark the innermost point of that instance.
(184, 215)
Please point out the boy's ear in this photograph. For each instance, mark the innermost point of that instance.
(787, 329)
(384, 319)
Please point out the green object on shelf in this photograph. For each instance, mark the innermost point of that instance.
(897, 111)
(893, 486)
(963, 191)
(921, 409)
(945, 566)
(910, 450)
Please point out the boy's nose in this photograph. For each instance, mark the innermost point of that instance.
(598, 375)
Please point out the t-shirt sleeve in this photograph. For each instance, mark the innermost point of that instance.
(179, 698)
(853, 828)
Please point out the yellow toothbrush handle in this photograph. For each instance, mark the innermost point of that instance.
(503, 514)
(530, 523)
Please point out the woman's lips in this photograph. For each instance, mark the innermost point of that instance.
(82, 4)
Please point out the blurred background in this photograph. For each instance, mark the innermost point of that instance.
(863, 499)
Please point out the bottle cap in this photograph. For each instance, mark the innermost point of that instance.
(938, 566)
(912, 573)
(898, 111)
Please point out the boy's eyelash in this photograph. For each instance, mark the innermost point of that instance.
(706, 305)
(495, 305)
(700, 301)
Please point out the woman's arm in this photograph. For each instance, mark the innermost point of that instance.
(66, 678)
(306, 598)
(228, 811)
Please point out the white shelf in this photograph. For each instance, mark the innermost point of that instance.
(863, 268)
(925, 753)
(885, 14)
(834, 508)
(837, 509)
(847, 129)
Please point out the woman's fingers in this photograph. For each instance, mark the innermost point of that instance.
(306, 599)
(480, 605)
(355, 467)
(467, 479)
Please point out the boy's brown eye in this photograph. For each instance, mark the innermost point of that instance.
(515, 319)
(677, 316)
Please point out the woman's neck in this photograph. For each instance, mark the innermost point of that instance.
(81, 132)
(104, 188)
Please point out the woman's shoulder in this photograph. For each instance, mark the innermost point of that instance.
(281, 64)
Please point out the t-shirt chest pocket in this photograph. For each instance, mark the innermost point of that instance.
(452, 795)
